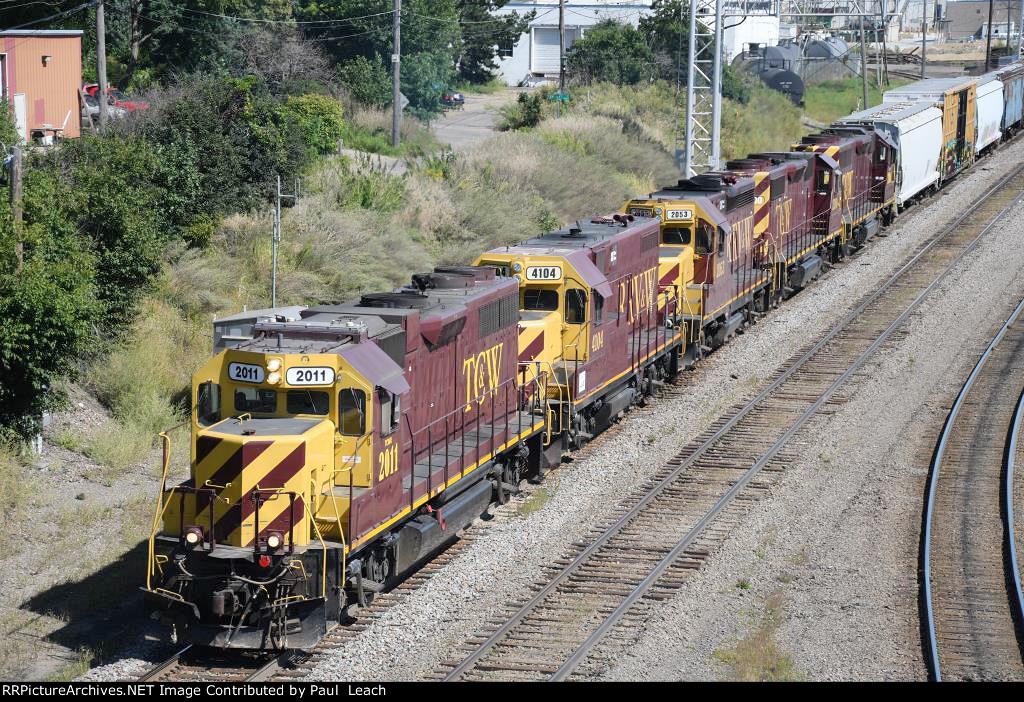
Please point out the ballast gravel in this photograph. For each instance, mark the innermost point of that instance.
(837, 534)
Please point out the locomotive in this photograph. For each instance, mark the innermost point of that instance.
(335, 447)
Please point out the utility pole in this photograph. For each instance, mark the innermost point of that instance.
(924, 33)
(19, 247)
(396, 83)
(988, 38)
(101, 62)
(1020, 28)
(561, 55)
(277, 236)
(863, 66)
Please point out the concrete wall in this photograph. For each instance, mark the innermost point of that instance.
(50, 86)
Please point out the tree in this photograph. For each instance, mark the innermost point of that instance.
(367, 80)
(611, 52)
(483, 34)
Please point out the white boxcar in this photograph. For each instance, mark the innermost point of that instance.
(916, 128)
(990, 111)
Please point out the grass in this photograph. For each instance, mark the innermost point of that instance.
(745, 129)
(535, 502)
(15, 490)
(370, 130)
(757, 656)
(489, 88)
(828, 101)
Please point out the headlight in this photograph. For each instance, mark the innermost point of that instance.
(193, 535)
(273, 365)
(274, 378)
(273, 541)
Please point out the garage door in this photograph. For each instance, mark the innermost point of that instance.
(544, 48)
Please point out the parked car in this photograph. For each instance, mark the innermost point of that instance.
(534, 81)
(92, 109)
(453, 99)
(117, 98)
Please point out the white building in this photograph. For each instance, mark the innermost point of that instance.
(536, 52)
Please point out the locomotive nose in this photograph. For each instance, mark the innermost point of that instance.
(252, 478)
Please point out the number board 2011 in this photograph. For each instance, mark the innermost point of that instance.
(310, 375)
(544, 273)
(245, 372)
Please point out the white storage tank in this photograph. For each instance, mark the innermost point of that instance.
(916, 128)
(990, 111)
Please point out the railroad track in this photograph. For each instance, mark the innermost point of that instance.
(190, 665)
(971, 586)
(596, 597)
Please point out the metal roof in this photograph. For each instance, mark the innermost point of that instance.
(41, 33)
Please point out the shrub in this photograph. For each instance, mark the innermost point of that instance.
(320, 118)
(612, 52)
(367, 80)
(525, 112)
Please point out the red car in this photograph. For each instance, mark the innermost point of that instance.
(117, 98)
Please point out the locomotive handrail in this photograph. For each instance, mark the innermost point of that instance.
(161, 503)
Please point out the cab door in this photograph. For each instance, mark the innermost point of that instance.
(576, 333)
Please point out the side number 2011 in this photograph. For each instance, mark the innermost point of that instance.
(387, 460)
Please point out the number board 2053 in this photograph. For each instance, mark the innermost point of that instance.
(679, 214)
(245, 372)
(544, 273)
(310, 375)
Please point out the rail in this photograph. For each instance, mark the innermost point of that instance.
(933, 481)
(1011, 533)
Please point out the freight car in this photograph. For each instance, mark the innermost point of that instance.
(956, 97)
(915, 128)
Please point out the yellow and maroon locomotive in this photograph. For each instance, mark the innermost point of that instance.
(332, 452)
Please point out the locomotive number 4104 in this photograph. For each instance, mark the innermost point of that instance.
(544, 273)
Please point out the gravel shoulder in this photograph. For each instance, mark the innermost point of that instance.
(409, 641)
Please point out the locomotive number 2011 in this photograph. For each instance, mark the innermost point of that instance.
(387, 460)
(320, 375)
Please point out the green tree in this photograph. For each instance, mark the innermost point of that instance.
(367, 80)
(320, 118)
(425, 76)
(611, 52)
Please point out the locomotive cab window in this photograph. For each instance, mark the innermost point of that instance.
(255, 400)
(823, 180)
(352, 412)
(703, 245)
(390, 411)
(721, 240)
(598, 309)
(540, 299)
(675, 236)
(208, 403)
(881, 154)
(307, 402)
(575, 306)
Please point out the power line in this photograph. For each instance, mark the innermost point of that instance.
(65, 13)
(288, 21)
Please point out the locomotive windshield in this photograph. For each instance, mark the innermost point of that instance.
(540, 299)
(675, 236)
(255, 400)
(307, 402)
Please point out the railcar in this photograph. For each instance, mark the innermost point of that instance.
(332, 452)
(589, 318)
(915, 128)
(956, 97)
(989, 96)
(1012, 78)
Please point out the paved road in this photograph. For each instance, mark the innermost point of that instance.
(475, 121)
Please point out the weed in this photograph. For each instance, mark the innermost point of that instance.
(535, 502)
(68, 439)
(757, 657)
(801, 557)
(743, 584)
